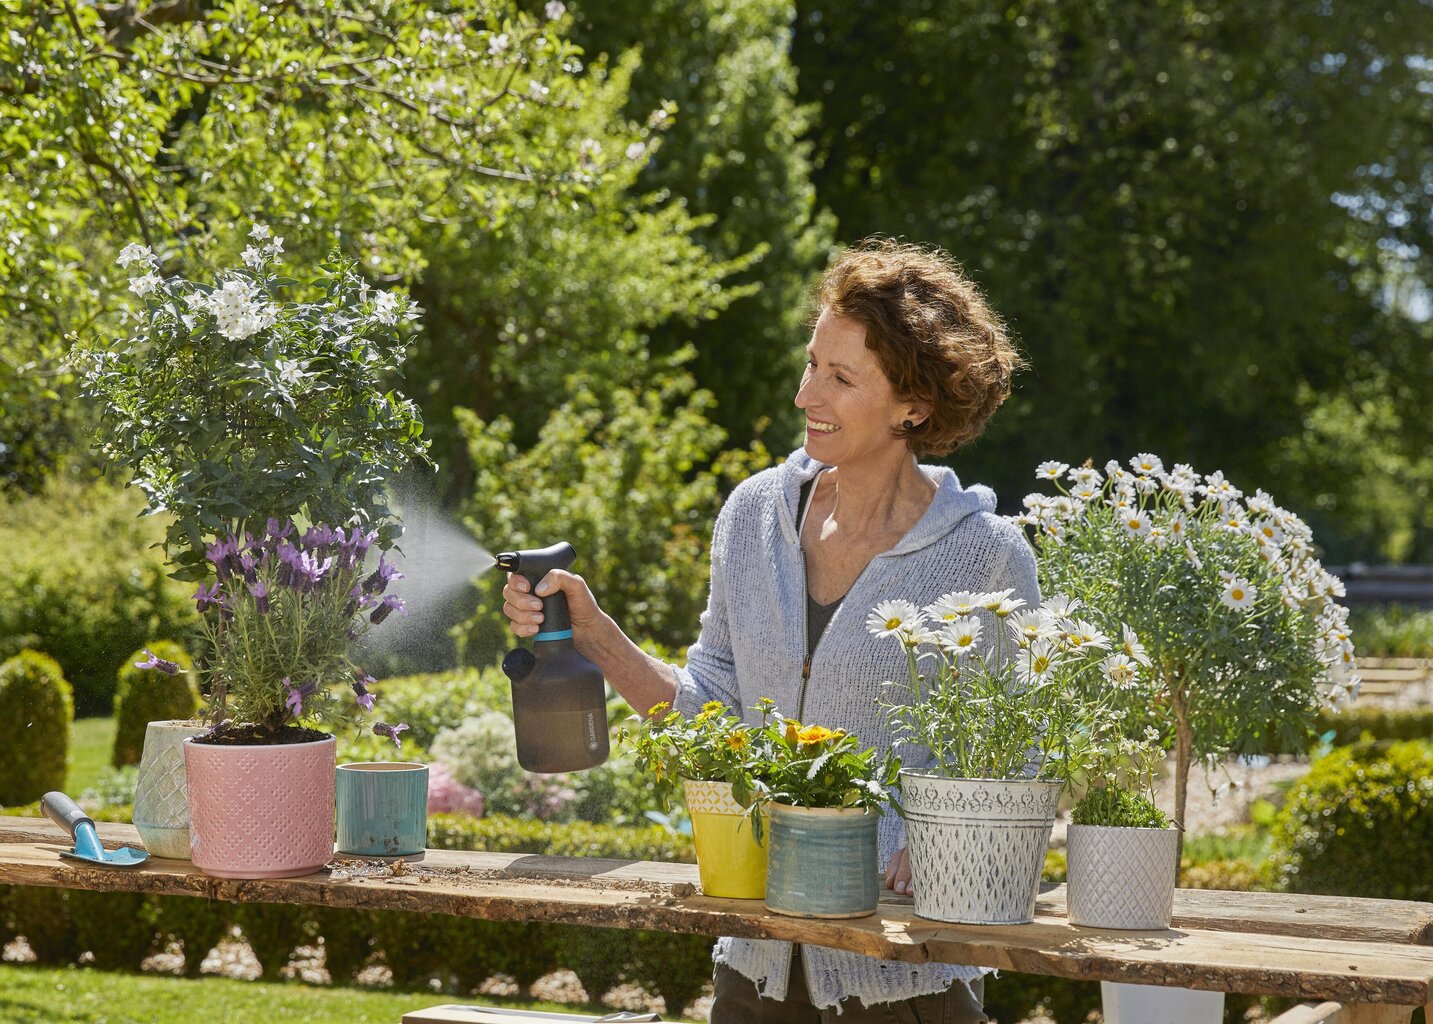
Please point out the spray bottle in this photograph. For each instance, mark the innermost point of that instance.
(559, 702)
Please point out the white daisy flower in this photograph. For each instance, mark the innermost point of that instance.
(1175, 526)
(993, 600)
(1082, 634)
(1238, 593)
(1085, 492)
(1059, 606)
(1036, 502)
(1157, 536)
(1132, 648)
(894, 618)
(1136, 523)
(1086, 476)
(1031, 625)
(1036, 663)
(1144, 462)
(1050, 470)
(1121, 672)
(952, 606)
(1006, 606)
(960, 636)
(1115, 471)
(1217, 487)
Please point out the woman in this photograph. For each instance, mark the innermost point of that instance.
(906, 359)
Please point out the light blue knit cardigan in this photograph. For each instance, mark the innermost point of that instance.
(752, 645)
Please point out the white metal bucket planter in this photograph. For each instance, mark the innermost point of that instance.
(977, 846)
(1121, 877)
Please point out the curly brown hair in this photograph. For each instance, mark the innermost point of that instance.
(931, 331)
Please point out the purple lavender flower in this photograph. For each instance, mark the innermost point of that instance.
(260, 590)
(310, 571)
(319, 536)
(278, 529)
(209, 596)
(169, 668)
(248, 565)
(353, 548)
(221, 553)
(288, 559)
(388, 605)
(295, 699)
(385, 574)
(391, 731)
(361, 691)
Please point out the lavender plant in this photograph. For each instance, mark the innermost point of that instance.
(281, 620)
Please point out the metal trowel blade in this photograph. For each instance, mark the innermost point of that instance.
(89, 849)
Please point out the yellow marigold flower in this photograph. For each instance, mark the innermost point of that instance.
(815, 734)
(713, 705)
(658, 708)
(738, 740)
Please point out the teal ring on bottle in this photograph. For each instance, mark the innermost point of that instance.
(556, 634)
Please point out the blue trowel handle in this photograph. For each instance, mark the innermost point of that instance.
(65, 813)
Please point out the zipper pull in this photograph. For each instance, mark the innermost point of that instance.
(806, 670)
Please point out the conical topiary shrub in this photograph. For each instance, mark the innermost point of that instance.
(36, 709)
(147, 695)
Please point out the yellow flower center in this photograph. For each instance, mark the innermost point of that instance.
(1237, 594)
(1134, 524)
(1040, 664)
(893, 623)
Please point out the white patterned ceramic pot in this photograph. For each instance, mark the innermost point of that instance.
(1121, 877)
(161, 796)
(263, 811)
(977, 846)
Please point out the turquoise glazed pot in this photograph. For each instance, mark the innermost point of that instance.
(382, 808)
(822, 862)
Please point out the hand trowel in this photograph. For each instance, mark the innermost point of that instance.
(64, 812)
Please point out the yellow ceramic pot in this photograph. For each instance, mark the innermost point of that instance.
(729, 860)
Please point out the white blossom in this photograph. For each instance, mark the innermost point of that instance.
(554, 9)
(142, 286)
(1238, 593)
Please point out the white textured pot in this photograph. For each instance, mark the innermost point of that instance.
(1160, 1004)
(1121, 877)
(161, 798)
(977, 846)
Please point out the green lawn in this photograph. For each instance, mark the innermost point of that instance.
(91, 741)
(71, 995)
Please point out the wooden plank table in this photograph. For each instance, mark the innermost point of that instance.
(1374, 956)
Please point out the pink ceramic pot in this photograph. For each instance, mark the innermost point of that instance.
(261, 811)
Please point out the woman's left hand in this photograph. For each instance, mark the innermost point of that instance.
(898, 872)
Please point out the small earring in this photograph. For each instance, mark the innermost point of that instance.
(907, 424)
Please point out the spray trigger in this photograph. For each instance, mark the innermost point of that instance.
(517, 663)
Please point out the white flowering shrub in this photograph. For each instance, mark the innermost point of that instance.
(257, 398)
(1240, 621)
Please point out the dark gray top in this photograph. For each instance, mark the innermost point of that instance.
(818, 616)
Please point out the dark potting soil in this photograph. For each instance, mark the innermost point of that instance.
(248, 735)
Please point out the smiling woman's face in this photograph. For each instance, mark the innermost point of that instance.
(851, 408)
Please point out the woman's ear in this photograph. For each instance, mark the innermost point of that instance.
(918, 412)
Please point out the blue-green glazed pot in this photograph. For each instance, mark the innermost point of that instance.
(382, 808)
(822, 862)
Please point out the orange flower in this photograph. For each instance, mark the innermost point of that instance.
(793, 727)
(815, 734)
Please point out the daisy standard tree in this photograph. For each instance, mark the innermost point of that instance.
(1238, 621)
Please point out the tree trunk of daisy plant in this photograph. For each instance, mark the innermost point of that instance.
(1183, 755)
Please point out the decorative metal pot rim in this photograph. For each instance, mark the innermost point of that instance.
(916, 773)
(1127, 828)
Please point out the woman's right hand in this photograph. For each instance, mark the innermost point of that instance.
(524, 609)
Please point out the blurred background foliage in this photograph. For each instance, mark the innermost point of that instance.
(1207, 222)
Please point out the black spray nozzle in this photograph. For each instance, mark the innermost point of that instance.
(535, 564)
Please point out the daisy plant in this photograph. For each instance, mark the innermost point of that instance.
(259, 415)
(1120, 787)
(813, 766)
(1241, 625)
(996, 690)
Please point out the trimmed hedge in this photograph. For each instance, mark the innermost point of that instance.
(36, 709)
(144, 695)
(1360, 823)
(80, 577)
